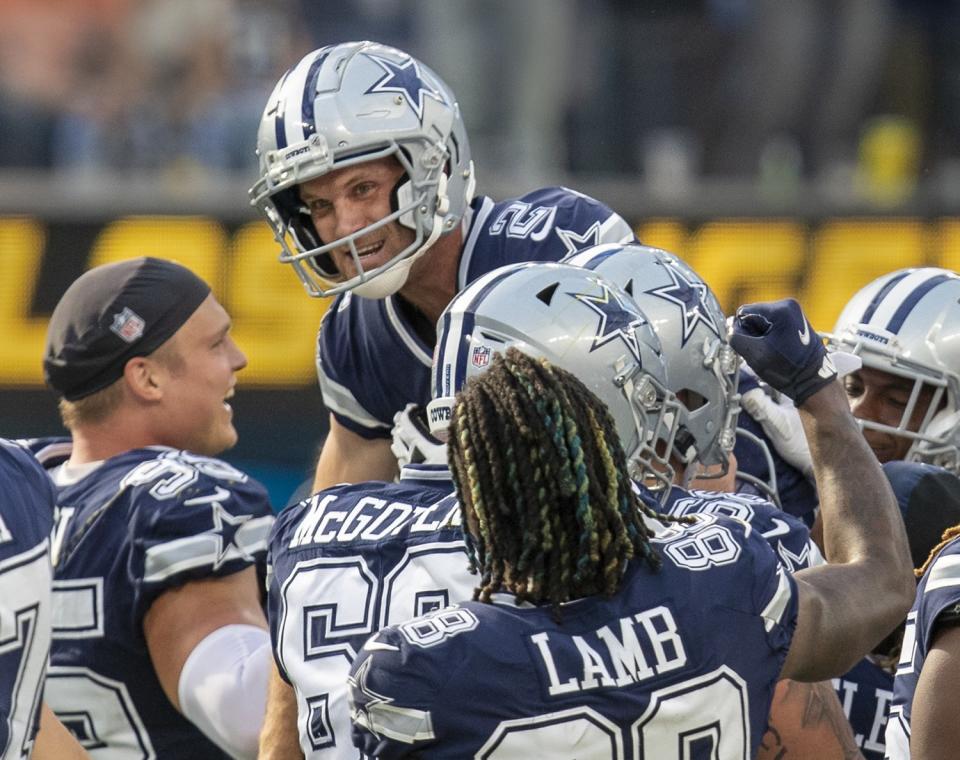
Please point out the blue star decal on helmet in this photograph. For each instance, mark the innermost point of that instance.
(618, 319)
(405, 79)
(691, 297)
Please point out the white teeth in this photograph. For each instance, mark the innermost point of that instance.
(368, 249)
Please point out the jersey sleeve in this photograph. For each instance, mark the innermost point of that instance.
(759, 583)
(774, 594)
(939, 591)
(195, 517)
(26, 517)
(394, 686)
(366, 372)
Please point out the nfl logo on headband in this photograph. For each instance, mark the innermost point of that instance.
(480, 357)
(128, 325)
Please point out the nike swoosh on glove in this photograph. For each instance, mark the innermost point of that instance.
(779, 344)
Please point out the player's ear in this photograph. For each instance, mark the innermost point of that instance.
(143, 377)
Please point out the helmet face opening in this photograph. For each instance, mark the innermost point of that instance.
(349, 104)
(906, 325)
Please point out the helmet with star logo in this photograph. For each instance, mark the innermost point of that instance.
(352, 103)
(702, 369)
(577, 321)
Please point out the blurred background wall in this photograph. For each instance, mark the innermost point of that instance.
(798, 148)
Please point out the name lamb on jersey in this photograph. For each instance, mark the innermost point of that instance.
(647, 644)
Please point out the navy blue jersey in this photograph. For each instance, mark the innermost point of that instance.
(370, 360)
(434, 573)
(346, 562)
(26, 520)
(939, 589)
(865, 692)
(139, 524)
(681, 660)
(787, 535)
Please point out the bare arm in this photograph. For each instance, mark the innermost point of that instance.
(54, 742)
(934, 728)
(280, 737)
(849, 605)
(181, 618)
(350, 458)
(807, 720)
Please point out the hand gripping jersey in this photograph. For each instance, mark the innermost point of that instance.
(372, 361)
(26, 519)
(140, 524)
(938, 591)
(680, 662)
(345, 563)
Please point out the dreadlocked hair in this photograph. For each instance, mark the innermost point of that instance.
(536, 460)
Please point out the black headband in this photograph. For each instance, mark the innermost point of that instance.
(110, 315)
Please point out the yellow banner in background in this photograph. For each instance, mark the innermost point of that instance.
(822, 264)
(274, 321)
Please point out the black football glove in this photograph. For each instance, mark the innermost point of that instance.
(779, 344)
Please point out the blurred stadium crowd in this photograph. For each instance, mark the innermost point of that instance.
(675, 90)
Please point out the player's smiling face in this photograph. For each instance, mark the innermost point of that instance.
(345, 201)
(881, 397)
(202, 375)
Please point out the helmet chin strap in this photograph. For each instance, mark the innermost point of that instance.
(393, 279)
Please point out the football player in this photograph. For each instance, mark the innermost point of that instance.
(702, 371)
(323, 571)
(922, 720)
(367, 180)
(929, 499)
(160, 644)
(905, 398)
(26, 521)
(648, 638)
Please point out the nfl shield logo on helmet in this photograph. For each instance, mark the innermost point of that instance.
(480, 357)
(128, 325)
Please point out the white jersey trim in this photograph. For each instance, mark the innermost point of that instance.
(466, 255)
(339, 400)
(206, 549)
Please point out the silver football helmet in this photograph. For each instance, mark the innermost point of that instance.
(907, 323)
(702, 369)
(578, 321)
(346, 104)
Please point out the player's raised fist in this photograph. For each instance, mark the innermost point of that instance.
(779, 344)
